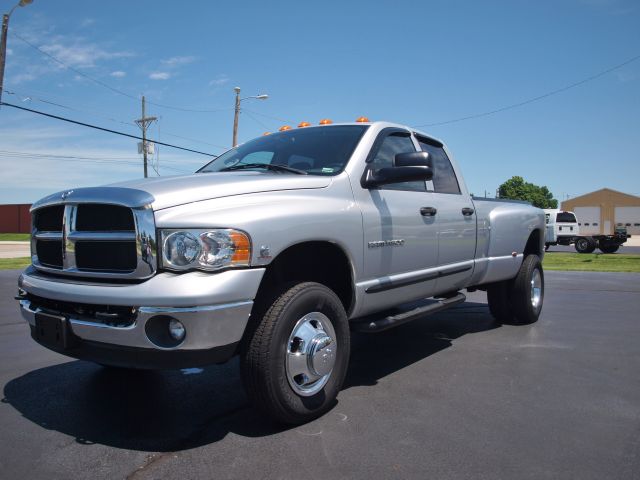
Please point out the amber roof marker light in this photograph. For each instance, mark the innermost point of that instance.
(304, 124)
(362, 119)
(284, 128)
(326, 121)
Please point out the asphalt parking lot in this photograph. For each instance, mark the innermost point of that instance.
(454, 395)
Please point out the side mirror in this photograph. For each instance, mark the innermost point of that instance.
(413, 159)
(408, 167)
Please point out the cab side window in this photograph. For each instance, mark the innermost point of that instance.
(444, 178)
(397, 142)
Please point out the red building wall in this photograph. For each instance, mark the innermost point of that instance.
(15, 218)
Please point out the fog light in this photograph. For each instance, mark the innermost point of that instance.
(176, 329)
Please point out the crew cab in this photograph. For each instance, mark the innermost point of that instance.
(275, 251)
(562, 228)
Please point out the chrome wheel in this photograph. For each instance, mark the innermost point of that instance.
(311, 354)
(536, 289)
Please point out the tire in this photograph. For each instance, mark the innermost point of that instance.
(527, 292)
(499, 301)
(608, 247)
(585, 245)
(294, 363)
(515, 301)
(546, 247)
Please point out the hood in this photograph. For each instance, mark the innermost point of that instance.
(173, 191)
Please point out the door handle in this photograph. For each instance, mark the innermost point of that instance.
(466, 211)
(428, 211)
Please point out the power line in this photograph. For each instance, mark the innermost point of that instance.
(75, 70)
(534, 99)
(37, 98)
(92, 112)
(104, 129)
(109, 87)
(80, 159)
(256, 120)
(267, 116)
(194, 140)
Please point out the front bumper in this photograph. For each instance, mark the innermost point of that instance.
(214, 309)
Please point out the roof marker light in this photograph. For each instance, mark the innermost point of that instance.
(284, 128)
(326, 121)
(362, 119)
(266, 133)
(304, 124)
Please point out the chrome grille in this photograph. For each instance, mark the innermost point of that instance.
(94, 240)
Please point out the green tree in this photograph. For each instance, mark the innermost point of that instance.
(517, 189)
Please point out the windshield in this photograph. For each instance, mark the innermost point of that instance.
(565, 217)
(312, 150)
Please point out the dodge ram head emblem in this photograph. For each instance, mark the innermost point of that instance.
(66, 194)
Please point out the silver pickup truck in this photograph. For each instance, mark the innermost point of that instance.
(275, 251)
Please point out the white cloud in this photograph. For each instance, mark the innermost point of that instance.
(627, 76)
(159, 76)
(21, 78)
(73, 50)
(118, 74)
(80, 54)
(219, 81)
(178, 61)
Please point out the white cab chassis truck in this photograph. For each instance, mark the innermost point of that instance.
(275, 251)
(562, 228)
(582, 229)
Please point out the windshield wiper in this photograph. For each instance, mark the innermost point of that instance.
(268, 166)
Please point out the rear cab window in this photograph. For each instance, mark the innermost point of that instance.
(444, 177)
(565, 217)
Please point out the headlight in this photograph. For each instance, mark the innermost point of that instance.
(207, 250)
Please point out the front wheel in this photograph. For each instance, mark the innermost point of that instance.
(295, 361)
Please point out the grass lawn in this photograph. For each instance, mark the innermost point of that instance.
(14, 237)
(592, 262)
(14, 263)
(586, 262)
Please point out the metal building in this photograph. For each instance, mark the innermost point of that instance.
(602, 211)
(15, 218)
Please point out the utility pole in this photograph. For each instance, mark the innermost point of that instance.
(144, 123)
(235, 118)
(3, 40)
(263, 96)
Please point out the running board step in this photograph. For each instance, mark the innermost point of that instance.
(376, 323)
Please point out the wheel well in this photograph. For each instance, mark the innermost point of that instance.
(321, 262)
(534, 245)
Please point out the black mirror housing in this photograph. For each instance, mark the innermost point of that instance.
(389, 175)
(413, 159)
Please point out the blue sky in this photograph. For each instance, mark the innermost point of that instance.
(414, 63)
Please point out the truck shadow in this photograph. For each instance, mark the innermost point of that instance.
(169, 411)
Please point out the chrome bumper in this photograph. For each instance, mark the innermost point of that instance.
(214, 308)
